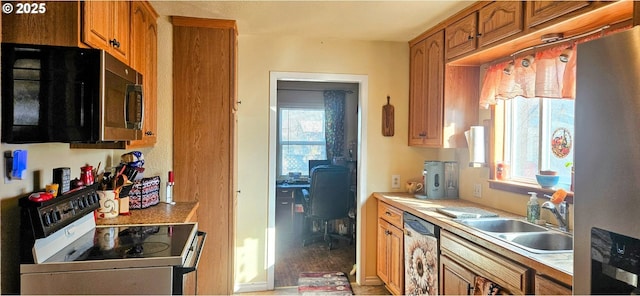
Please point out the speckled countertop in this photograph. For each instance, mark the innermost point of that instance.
(558, 266)
(161, 213)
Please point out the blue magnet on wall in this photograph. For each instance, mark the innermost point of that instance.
(19, 164)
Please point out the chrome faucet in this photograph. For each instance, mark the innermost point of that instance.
(561, 211)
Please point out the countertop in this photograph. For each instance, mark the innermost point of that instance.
(558, 266)
(161, 213)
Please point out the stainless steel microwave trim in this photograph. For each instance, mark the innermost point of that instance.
(132, 128)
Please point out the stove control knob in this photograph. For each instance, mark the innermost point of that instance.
(81, 204)
(57, 215)
(46, 219)
(86, 201)
(95, 197)
(54, 218)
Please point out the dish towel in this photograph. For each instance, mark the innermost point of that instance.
(484, 286)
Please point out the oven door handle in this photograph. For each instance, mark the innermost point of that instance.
(182, 270)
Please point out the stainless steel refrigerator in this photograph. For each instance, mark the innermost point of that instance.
(607, 165)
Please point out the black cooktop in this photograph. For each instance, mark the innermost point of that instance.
(124, 242)
(138, 242)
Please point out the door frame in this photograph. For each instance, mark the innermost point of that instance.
(363, 87)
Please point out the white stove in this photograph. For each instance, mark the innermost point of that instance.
(82, 258)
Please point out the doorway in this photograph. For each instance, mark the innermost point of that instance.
(313, 84)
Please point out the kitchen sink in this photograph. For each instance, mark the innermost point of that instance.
(528, 236)
(545, 241)
(502, 225)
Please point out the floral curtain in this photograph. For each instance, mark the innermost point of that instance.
(334, 122)
(548, 73)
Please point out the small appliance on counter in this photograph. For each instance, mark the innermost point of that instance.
(433, 176)
(451, 179)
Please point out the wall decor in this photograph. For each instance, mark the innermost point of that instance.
(387, 119)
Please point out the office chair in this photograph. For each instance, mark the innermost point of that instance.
(328, 198)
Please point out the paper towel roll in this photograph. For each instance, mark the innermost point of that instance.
(475, 140)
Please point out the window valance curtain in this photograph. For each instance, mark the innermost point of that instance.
(547, 73)
(334, 122)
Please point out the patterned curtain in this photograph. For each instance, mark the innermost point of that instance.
(334, 122)
(550, 73)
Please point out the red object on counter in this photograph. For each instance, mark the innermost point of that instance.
(40, 196)
(170, 177)
(86, 175)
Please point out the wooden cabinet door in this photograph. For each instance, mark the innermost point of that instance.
(499, 20)
(144, 58)
(96, 23)
(460, 37)
(203, 156)
(455, 279)
(106, 25)
(120, 30)
(390, 260)
(538, 12)
(396, 264)
(426, 92)
(545, 286)
(383, 251)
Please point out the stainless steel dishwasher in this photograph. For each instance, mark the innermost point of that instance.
(421, 253)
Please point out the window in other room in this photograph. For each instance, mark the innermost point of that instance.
(537, 136)
(301, 138)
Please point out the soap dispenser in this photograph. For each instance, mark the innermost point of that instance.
(533, 208)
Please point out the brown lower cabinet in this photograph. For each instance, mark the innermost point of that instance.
(455, 279)
(390, 251)
(546, 286)
(461, 261)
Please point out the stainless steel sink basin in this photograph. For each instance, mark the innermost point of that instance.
(502, 225)
(545, 241)
(528, 236)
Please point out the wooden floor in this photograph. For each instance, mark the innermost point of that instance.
(292, 259)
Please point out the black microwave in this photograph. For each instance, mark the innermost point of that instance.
(69, 95)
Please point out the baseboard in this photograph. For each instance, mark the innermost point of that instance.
(250, 287)
(372, 281)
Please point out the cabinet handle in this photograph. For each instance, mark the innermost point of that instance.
(388, 214)
(149, 133)
(387, 232)
(115, 43)
(470, 37)
(479, 35)
(422, 135)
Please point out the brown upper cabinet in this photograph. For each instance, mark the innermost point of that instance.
(442, 99)
(490, 30)
(487, 25)
(39, 28)
(499, 20)
(460, 37)
(539, 12)
(106, 25)
(144, 58)
(426, 91)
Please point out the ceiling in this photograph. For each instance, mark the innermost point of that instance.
(398, 21)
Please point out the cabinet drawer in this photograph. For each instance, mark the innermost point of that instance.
(506, 273)
(390, 214)
(545, 286)
(285, 193)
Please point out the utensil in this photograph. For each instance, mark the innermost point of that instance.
(387, 119)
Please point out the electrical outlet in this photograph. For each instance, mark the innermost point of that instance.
(395, 181)
(477, 190)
